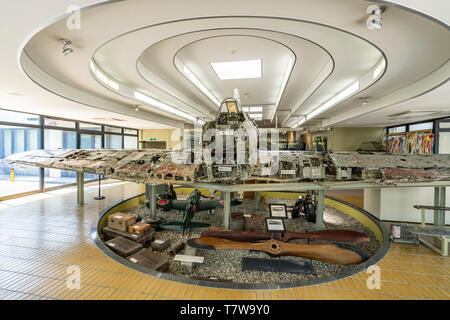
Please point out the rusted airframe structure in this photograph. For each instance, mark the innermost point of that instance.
(152, 166)
(239, 159)
(280, 170)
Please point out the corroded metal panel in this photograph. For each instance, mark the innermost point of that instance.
(151, 166)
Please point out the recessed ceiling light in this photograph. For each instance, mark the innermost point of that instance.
(334, 100)
(196, 82)
(379, 69)
(247, 69)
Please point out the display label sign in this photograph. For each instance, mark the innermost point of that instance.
(275, 225)
(186, 258)
(228, 132)
(287, 172)
(277, 210)
(224, 169)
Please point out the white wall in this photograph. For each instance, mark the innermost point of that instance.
(396, 204)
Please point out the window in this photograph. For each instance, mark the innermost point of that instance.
(18, 117)
(16, 178)
(90, 126)
(130, 131)
(399, 129)
(54, 139)
(113, 141)
(60, 139)
(59, 123)
(421, 126)
(444, 125)
(130, 142)
(113, 129)
(20, 132)
(90, 141)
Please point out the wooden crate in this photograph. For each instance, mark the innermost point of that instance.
(123, 247)
(121, 221)
(139, 228)
(148, 259)
(146, 239)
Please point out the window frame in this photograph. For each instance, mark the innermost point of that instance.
(41, 137)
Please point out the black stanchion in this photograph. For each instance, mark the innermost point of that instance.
(100, 197)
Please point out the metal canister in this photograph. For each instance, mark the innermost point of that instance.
(254, 224)
(237, 221)
(176, 247)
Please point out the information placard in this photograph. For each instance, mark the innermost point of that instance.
(277, 210)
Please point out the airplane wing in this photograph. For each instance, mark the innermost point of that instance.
(136, 165)
(203, 205)
(171, 204)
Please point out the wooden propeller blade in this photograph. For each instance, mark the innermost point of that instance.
(332, 235)
(330, 253)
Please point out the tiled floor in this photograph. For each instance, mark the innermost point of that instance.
(41, 236)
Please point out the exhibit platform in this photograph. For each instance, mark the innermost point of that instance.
(43, 235)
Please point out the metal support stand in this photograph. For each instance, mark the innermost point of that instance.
(319, 209)
(100, 197)
(150, 194)
(226, 210)
(439, 201)
(80, 188)
(235, 208)
(256, 200)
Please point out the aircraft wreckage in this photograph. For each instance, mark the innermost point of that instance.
(237, 161)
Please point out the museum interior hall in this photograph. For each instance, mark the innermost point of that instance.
(224, 150)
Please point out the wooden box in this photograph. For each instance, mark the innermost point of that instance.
(160, 245)
(139, 228)
(146, 239)
(121, 221)
(123, 247)
(148, 259)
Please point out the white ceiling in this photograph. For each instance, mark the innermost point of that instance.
(138, 50)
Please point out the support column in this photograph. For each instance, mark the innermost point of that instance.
(80, 188)
(226, 210)
(319, 209)
(150, 195)
(439, 201)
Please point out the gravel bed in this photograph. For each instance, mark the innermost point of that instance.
(226, 264)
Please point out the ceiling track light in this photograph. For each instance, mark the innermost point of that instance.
(341, 96)
(66, 50)
(287, 74)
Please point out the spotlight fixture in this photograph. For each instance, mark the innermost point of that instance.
(66, 50)
(364, 100)
(137, 108)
